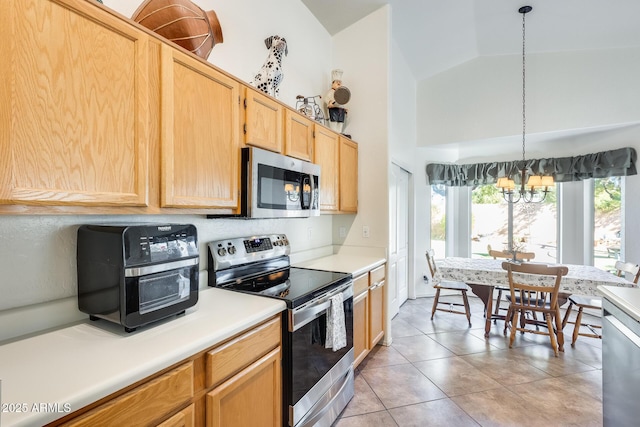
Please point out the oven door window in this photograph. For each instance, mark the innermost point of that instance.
(279, 188)
(162, 290)
(310, 359)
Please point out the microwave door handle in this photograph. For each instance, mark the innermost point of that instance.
(315, 191)
(306, 180)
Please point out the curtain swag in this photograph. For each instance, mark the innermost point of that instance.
(620, 162)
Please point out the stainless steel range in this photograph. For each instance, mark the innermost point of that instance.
(317, 373)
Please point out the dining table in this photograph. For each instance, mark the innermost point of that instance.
(484, 274)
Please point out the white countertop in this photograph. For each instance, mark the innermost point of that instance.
(80, 364)
(627, 299)
(354, 264)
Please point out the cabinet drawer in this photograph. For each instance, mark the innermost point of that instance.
(360, 284)
(144, 404)
(377, 275)
(184, 418)
(228, 359)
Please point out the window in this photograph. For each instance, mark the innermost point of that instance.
(607, 222)
(438, 219)
(534, 224)
(489, 215)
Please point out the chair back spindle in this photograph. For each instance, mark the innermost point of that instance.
(537, 295)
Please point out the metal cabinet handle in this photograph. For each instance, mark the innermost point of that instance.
(360, 297)
(377, 285)
(623, 329)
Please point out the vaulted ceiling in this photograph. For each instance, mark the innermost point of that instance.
(435, 35)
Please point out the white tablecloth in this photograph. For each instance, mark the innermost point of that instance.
(581, 279)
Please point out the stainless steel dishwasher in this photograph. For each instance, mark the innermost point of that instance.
(620, 366)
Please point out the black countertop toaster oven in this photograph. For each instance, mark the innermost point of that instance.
(137, 274)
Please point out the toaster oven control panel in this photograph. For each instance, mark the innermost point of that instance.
(159, 244)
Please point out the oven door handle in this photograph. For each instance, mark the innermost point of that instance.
(314, 308)
(321, 407)
(159, 268)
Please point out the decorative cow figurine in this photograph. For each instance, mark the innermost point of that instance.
(270, 75)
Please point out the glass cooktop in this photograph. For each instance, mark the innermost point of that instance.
(295, 286)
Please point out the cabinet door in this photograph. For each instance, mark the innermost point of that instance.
(184, 418)
(145, 404)
(250, 398)
(348, 176)
(376, 305)
(360, 327)
(199, 137)
(263, 121)
(326, 154)
(298, 136)
(74, 83)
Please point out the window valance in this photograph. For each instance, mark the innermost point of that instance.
(620, 162)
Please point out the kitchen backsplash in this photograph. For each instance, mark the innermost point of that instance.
(38, 260)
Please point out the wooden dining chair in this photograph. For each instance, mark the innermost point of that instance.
(622, 268)
(541, 297)
(520, 256)
(594, 303)
(439, 285)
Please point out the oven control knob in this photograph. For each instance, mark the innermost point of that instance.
(222, 251)
(232, 250)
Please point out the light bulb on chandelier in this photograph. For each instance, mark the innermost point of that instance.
(293, 193)
(534, 189)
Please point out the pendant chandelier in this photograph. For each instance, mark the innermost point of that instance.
(537, 186)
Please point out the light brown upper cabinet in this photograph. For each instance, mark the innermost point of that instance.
(200, 143)
(348, 176)
(298, 136)
(264, 119)
(326, 154)
(74, 83)
(338, 158)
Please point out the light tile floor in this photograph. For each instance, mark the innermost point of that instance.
(444, 373)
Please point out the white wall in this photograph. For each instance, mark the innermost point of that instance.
(482, 98)
(37, 254)
(401, 147)
(247, 23)
(362, 51)
(38, 260)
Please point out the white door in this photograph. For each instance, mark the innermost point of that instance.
(399, 238)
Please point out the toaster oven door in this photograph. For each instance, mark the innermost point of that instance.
(153, 295)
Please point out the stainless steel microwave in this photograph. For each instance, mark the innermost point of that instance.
(278, 186)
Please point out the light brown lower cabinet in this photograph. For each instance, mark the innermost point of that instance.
(376, 305)
(250, 398)
(368, 312)
(184, 418)
(236, 383)
(360, 327)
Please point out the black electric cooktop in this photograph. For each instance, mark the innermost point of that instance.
(295, 286)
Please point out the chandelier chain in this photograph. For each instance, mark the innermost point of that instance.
(524, 117)
(536, 187)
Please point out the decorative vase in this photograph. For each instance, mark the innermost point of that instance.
(182, 22)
